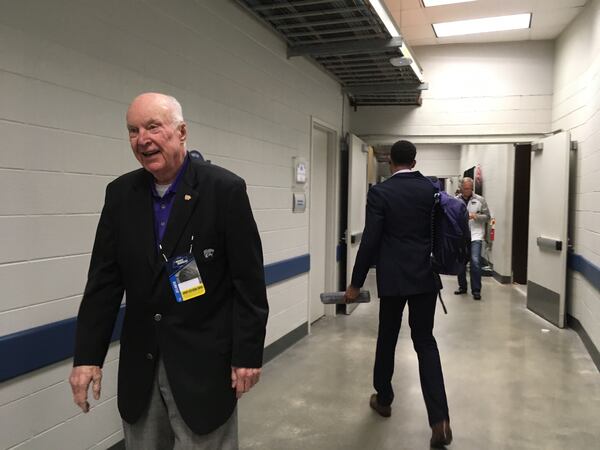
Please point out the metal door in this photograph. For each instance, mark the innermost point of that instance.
(357, 201)
(548, 228)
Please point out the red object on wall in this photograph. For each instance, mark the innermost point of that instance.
(492, 234)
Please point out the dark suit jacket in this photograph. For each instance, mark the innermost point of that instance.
(397, 236)
(200, 339)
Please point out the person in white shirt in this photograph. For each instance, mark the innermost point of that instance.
(479, 215)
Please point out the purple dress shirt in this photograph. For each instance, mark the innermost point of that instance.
(163, 205)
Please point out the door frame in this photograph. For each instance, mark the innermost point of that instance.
(331, 221)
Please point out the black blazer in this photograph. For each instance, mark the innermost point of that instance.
(397, 236)
(200, 339)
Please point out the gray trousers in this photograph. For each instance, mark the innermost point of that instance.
(162, 428)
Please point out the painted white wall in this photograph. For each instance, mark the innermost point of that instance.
(440, 160)
(477, 93)
(68, 70)
(497, 163)
(576, 108)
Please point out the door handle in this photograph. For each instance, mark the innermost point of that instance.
(549, 243)
(356, 238)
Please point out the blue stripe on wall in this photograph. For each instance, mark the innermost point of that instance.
(41, 346)
(587, 269)
(282, 270)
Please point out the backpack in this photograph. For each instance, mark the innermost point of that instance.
(450, 235)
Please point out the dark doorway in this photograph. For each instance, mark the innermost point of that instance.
(343, 217)
(520, 232)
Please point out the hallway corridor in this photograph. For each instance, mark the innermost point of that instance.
(513, 381)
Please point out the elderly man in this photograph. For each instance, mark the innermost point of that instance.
(178, 238)
(479, 215)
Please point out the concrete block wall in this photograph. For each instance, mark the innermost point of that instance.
(440, 160)
(576, 107)
(68, 70)
(497, 163)
(474, 90)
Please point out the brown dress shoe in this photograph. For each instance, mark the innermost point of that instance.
(441, 434)
(383, 411)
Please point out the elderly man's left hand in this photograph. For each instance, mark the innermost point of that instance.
(243, 379)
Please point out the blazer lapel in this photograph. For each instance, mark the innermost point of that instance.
(142, 214)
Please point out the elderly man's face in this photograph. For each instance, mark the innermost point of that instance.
(157, 143)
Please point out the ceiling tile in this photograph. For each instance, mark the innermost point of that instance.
(424, 41)
(546, 32)
(550, 18)
(410, 4)
(393, 4)
(419, 32)
(554, 4)
(412, 17)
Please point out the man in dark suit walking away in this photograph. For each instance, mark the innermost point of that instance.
(177, 236)
(397, 237)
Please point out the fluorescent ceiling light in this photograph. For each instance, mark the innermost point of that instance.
(428, 3)
(485, 25)
(385, 18)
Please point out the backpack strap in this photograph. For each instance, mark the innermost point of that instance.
(442, 302)
(436, 203)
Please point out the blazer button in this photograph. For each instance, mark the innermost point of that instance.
(149, 356)
(157, 317)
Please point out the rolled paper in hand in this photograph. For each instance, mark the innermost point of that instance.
(337, 298)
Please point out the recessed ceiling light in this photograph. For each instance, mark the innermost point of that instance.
(485, 25)
(428, 3)
(401, 61)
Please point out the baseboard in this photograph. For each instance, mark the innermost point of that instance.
(504, 279)
(118, 446)
(573, 323)
(283, 343)
(271, 351)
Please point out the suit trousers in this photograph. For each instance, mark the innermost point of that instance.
(161, 426)
(421, 316)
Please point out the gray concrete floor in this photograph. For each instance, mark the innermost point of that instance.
(513, 380)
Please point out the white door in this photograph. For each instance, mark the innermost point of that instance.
(358, 153)
(548, 227)
(318, 221)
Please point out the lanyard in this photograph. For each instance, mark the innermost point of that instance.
(163, 253)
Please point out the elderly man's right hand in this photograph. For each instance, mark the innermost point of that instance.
(80, 379)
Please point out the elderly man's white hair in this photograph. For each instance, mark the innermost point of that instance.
(169, 102)
(467, 180)
(175, 108)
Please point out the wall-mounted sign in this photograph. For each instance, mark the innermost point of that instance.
(301, 173)
(299, 202)
(300, 170)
